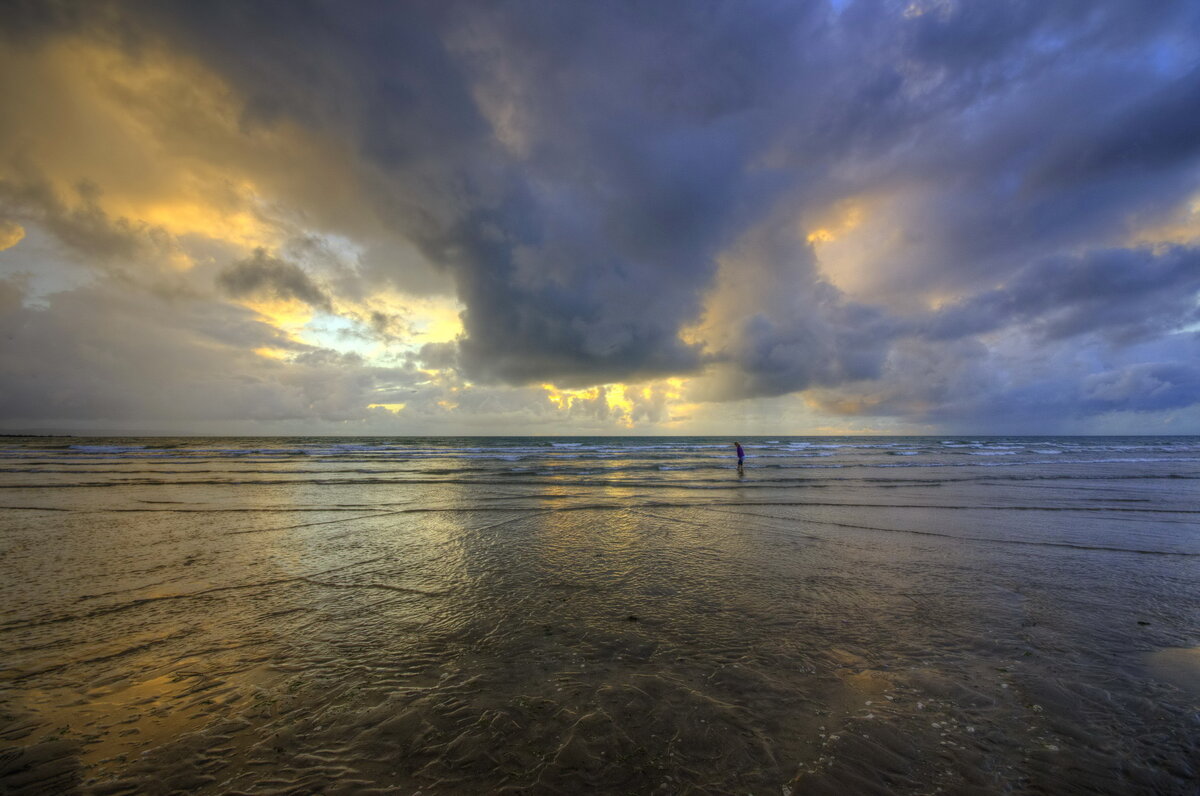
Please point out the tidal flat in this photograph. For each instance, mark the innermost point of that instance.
(895, 615)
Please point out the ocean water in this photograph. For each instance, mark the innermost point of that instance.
(604, 615)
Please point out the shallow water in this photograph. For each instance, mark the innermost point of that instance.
(902, 615)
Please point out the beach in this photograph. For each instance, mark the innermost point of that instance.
(975, 615)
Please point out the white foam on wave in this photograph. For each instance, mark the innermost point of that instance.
(1170, 460)
(108, 448)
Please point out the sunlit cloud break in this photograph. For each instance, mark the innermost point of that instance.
(569, 218)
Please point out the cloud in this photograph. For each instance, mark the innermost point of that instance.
(263, 276)
(560, 279)
(439, 356)
(902, 211)
(1144, 386)
(10, 234)
(1160, 131)
(1058, 127)
(107, 354)
(83, 225)
(773, 325)
(968, 387)
(1125, 294)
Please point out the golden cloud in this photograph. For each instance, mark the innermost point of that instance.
(10, 234)
(166, 145)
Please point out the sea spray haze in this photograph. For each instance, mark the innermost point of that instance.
(612, 615)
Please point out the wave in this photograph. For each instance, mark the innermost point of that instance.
(84, 453)
(688, 463)
(107, 448)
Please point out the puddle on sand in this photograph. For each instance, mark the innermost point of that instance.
(1179, 666)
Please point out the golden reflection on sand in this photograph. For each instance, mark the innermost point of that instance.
(119, 719)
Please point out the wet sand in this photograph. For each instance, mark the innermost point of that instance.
(562, 634)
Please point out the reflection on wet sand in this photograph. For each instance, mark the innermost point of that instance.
(1179, 667)
(612, 637)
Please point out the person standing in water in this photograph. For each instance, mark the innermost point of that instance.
(741, 454)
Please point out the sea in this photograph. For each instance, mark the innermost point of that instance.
(437, 615)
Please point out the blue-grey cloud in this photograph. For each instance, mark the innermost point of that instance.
(1125, 294)
(1144, 386)
(965, 386)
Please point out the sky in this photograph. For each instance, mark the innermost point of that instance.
(377, 218)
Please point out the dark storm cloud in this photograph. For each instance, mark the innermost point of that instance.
(263, 276)
(580, 259)
(634, 169)
(1144, 386)
(1126, 294)
(1161, 131)
(835, 343)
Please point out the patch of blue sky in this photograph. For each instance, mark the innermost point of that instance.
(38, 264)
(348, 336)
(343, 335)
